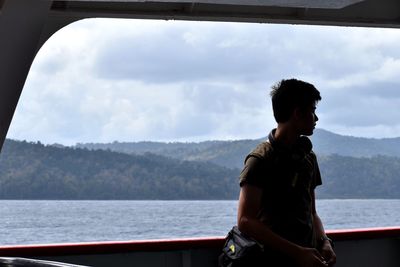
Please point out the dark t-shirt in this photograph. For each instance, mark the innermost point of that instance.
(287, 178)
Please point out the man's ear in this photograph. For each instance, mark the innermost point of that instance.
(297, 113)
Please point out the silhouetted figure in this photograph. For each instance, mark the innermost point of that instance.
(277, 199)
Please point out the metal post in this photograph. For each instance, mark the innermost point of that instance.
(21, 24)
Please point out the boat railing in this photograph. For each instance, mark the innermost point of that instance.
(375, 247)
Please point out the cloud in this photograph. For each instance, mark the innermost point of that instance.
(204, 51)
(102, 80)
(173, 54)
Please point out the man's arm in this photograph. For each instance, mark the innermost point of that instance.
(324, 243)
(249, 205)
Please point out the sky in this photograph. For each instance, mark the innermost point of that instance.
(105, 80)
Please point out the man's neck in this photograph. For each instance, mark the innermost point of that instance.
(286, 134)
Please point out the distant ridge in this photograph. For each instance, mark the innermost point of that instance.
(37, 171)
(231, 153)
(328, 143)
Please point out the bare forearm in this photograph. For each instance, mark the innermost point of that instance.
(325, 245)
(318, 226)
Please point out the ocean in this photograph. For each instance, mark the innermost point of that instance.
(44, 221)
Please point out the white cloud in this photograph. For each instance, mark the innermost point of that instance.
(103, 80)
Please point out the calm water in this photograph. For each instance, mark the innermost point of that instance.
(30, 222)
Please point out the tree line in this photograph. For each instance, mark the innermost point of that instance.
(36, 171)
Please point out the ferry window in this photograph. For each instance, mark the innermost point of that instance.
(137, 129)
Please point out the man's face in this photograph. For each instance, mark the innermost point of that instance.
(307, 119)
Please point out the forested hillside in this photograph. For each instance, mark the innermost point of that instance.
(349, 177)
(36, 171)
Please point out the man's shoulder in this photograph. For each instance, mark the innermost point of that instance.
(312, 155)
(262, 151)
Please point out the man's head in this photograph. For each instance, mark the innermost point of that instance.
(294, 98)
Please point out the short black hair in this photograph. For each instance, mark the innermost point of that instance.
(287, 95)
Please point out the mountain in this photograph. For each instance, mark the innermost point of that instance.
(231, 153)
(37, 171)
(327, 143)
(349, 177)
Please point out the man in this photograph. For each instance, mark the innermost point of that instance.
(277, 199)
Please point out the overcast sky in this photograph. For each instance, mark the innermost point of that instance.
(102, 80)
